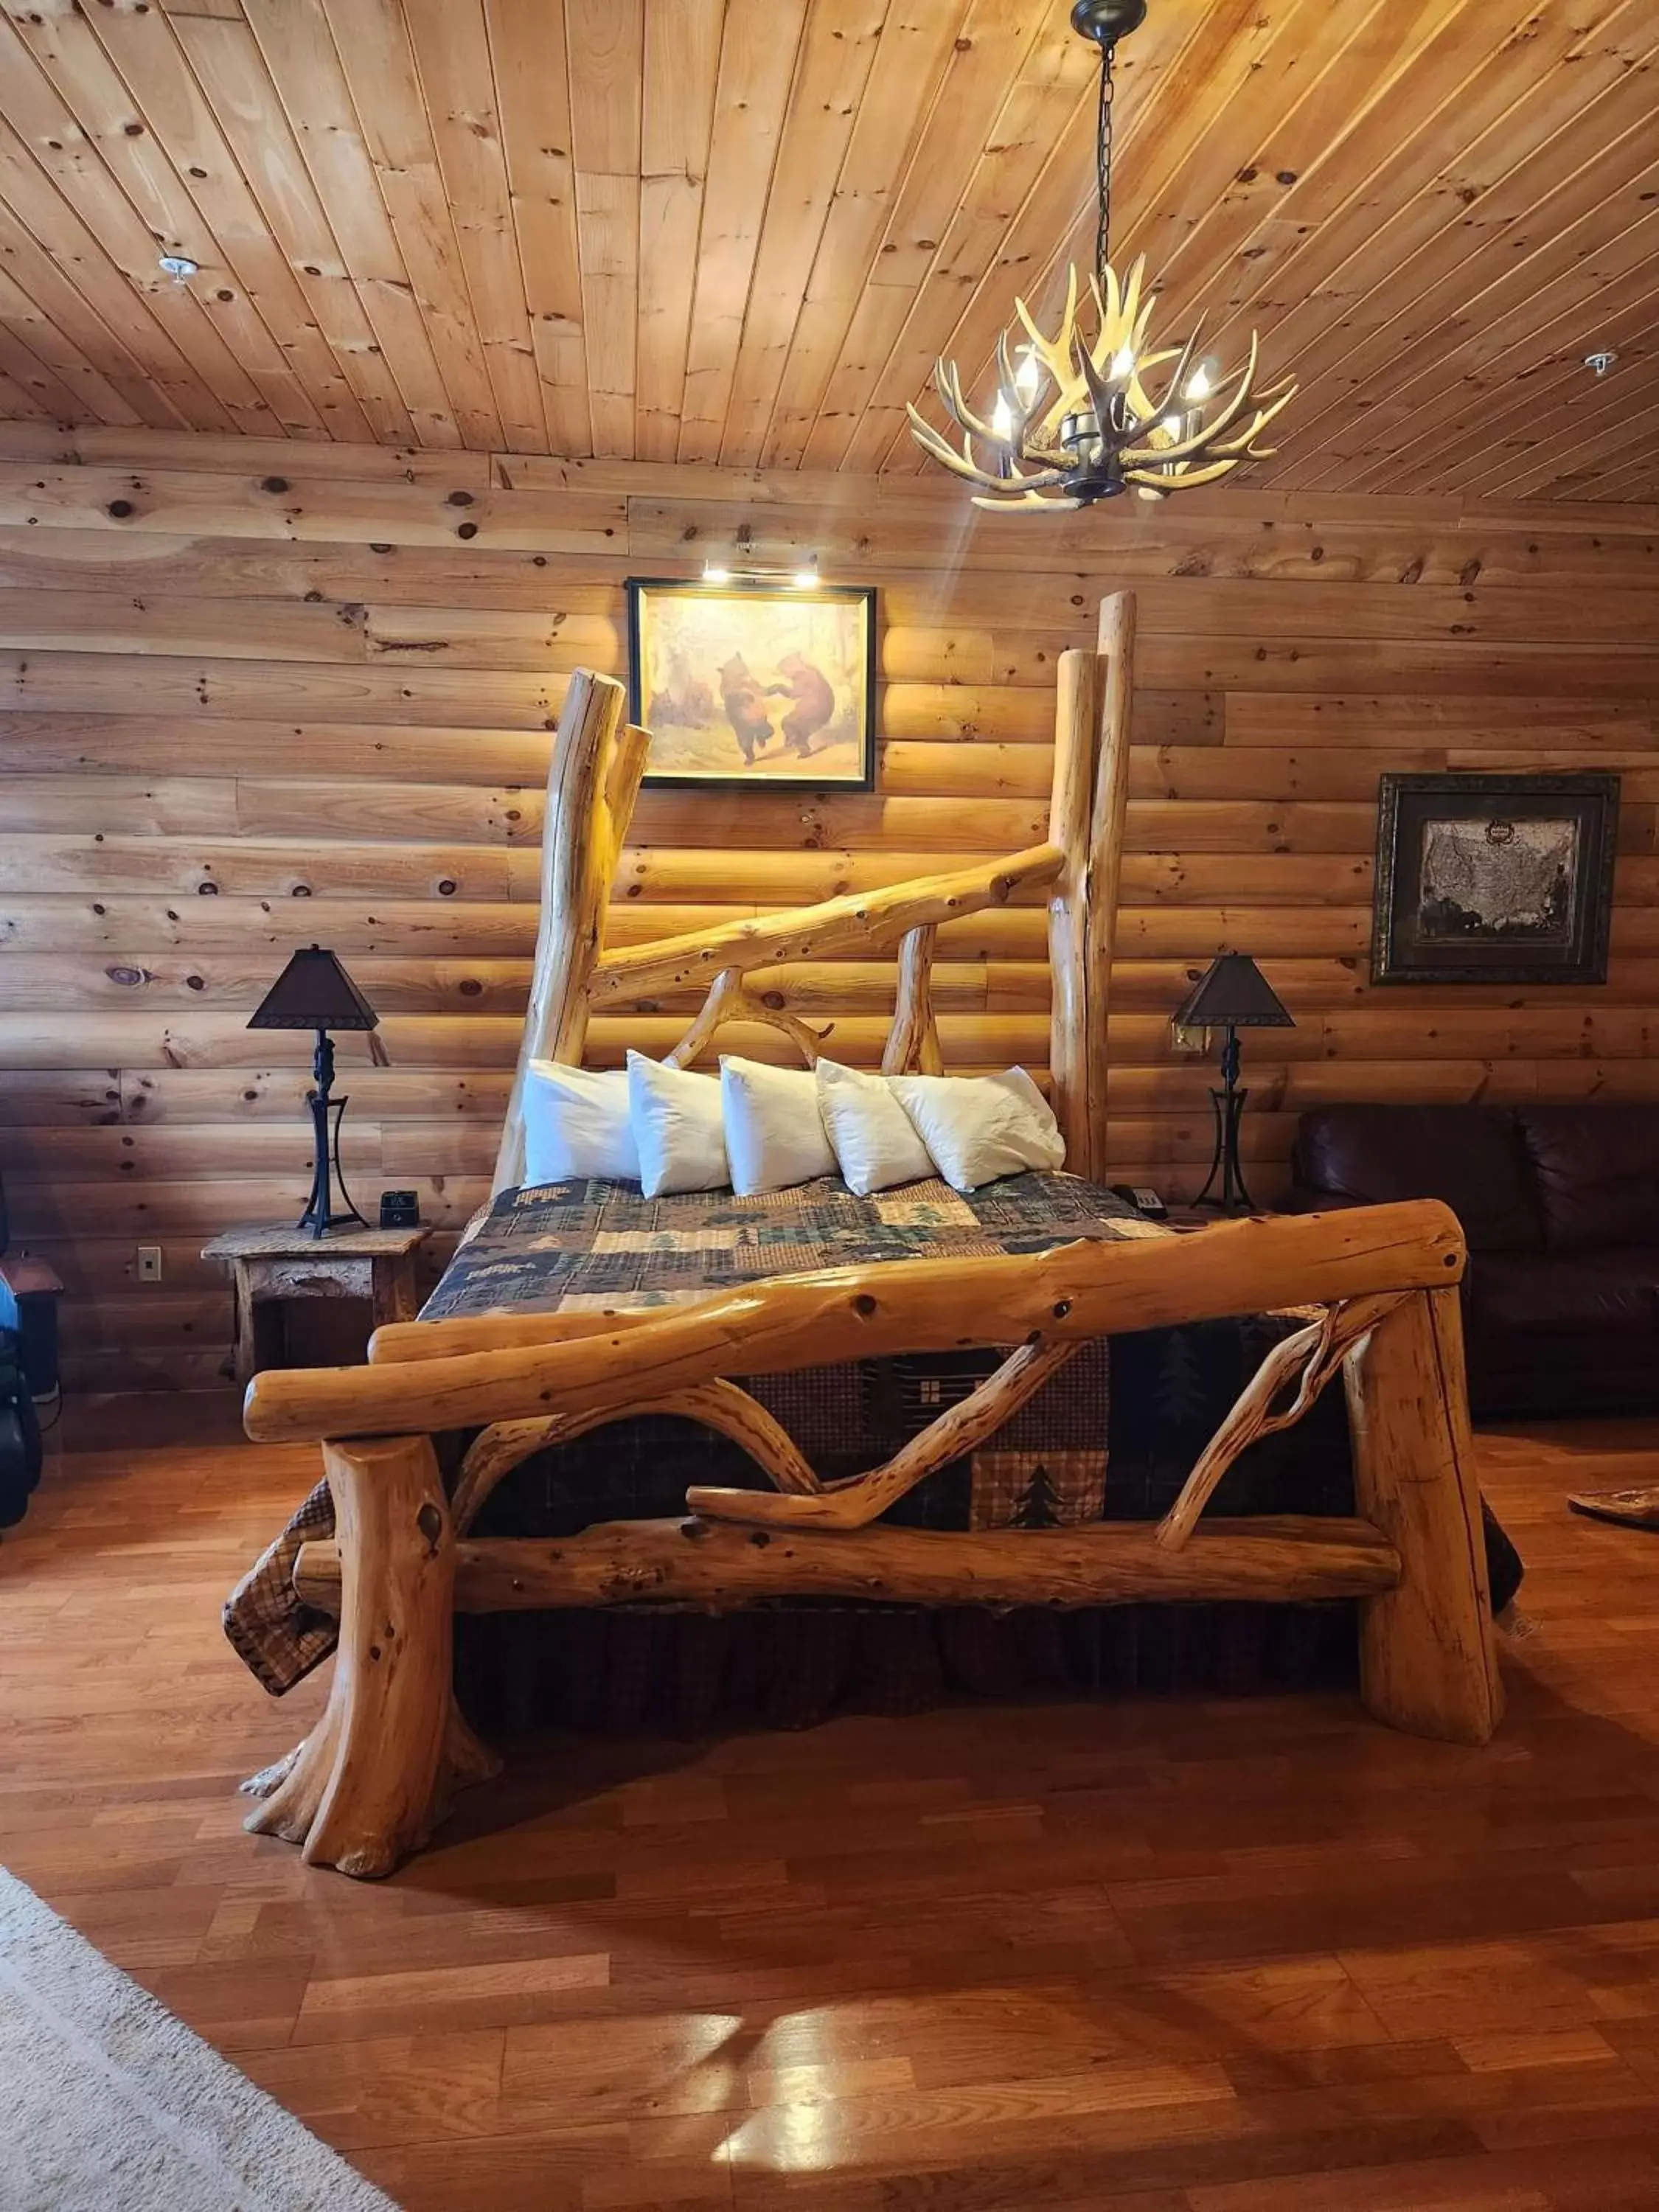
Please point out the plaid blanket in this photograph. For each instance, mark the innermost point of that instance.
(591, 1246)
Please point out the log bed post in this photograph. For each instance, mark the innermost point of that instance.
(1076, 721)
(1086, 821)
(366, 1786)
(1426, 1654)
(592, 781)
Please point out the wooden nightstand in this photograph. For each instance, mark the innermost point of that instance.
(269, 1267)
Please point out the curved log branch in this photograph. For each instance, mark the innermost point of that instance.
(504, 1445)
(864, 1498)
(493, 1454)
(1311, 1359)
(912, 1046)
(730, 1000)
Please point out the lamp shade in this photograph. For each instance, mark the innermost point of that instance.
(1235, 995)
(313, 991)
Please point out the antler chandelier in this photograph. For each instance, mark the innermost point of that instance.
(1075, 419)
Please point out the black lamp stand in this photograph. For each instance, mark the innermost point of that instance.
(326, 1113)
(1228, 1105)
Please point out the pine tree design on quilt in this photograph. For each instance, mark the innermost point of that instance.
(1181, 1397)
(1039, 1506)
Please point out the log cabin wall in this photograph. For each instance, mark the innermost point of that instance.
(260, 694)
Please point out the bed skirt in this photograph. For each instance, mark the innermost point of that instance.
(689, 1675)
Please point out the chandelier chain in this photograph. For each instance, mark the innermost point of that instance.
(1104, 164)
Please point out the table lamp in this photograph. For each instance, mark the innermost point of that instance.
(313, 991)
(1233, 995)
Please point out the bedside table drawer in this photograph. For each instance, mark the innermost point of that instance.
(331, 1276)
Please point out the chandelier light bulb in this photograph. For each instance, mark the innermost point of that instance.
(1199, 385)
(1027, 376)
(1123, 363)
(1002, 418)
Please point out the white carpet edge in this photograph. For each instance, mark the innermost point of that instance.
(223, 2124)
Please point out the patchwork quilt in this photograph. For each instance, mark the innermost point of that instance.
(587, 1247)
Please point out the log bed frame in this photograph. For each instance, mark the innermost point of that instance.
(366, 1787)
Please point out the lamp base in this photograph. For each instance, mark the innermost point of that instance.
(1225, 1171)
(321, 1214)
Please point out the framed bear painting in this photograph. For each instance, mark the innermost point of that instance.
(768, 685)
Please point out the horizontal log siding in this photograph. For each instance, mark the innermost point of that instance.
(236, 718)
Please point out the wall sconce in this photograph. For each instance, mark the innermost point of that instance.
(804, 578)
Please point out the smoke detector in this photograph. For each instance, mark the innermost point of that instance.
(1602, 361)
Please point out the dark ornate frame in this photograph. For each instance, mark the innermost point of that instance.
(1405, 802)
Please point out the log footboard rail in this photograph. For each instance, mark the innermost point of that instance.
(367, 1786)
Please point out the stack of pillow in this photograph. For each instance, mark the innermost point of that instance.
(757, 1128)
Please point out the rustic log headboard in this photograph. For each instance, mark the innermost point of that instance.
(593, 783)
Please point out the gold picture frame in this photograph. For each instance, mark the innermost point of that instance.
(754, 686)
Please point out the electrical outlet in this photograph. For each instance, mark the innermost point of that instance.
(150, 1263)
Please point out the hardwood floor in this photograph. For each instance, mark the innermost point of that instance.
(1179, 1957)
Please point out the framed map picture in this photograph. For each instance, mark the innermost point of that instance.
(768, 685)
(1494, 879)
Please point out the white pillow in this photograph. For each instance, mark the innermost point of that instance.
(874, 1141)
(979, 1127)
(675, 1118)
(773, 1131)
(575, 1124)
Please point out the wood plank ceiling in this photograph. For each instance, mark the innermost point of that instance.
(740, 231)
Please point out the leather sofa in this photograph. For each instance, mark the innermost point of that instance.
(1560, 1206)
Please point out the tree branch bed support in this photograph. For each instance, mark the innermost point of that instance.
(721, 1565)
